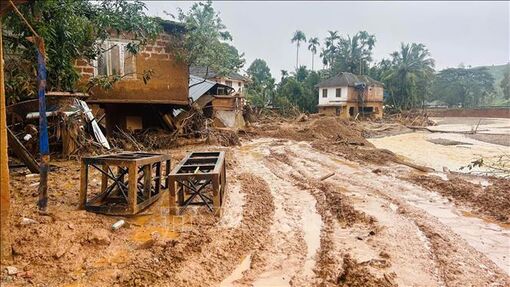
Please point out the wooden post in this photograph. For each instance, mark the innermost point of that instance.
(147, 179)
(5, 196)
(132, 187)
(43, 126)
(84, 177)
(216, 194)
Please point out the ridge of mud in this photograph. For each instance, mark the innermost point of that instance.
(492, 201)
(332, 268)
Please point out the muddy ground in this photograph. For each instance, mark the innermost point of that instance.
(376, 222)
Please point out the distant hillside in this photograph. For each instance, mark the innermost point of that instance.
(497, 72)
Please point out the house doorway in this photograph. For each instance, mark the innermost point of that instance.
(337, 111)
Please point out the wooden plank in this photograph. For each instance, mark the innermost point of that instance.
(19, 149)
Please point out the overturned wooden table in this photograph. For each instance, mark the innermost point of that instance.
(120, 196)
(196, 175)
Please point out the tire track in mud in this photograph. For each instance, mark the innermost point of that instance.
(334, 267)
(288, 257)
(457, 262)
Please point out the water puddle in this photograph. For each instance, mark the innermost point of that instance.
(487, 237)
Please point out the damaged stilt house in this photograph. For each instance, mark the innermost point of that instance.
(348, 95)
(220, 103)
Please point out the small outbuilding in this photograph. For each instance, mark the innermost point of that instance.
(348, 95)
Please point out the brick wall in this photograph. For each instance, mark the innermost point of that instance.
(84, 68)
(159, 49)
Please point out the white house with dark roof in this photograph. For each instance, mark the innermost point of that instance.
(347, 95)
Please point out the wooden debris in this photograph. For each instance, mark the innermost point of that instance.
(327, 176)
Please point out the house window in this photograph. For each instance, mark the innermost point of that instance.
(338, 93)
(240, 84)
(115, 60)
(324, 93)
(228, 83)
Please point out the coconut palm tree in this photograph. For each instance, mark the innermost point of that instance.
(298, 37)
(313, 44)
(412, 68)
(330, 43)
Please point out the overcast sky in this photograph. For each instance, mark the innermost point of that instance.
(472, 33)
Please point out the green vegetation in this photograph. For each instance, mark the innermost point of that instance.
(206, 40)
(407, 76)
(464, 87)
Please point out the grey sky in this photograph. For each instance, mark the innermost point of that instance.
(473, 33)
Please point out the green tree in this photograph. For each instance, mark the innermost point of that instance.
(260, 90)
(313, 44)
(464, 87)
(330, 47)
(298, 90)
(353, 54)
(409, 76)
(71, 29)
(298, 37)
(505, 83)
(206, 40)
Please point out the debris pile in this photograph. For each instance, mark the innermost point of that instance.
(72, 128)
(418, 118)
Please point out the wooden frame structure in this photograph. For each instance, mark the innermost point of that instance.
(120, 196)
(190, 178)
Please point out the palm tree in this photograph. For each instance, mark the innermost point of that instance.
(313, 44)
(298, 37)
(412, 68)
(328, 52)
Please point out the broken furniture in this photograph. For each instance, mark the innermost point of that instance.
(199, 179)
(130, 182)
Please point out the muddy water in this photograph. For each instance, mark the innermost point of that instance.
(417, 147)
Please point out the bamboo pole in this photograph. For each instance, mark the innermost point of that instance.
(5, 200)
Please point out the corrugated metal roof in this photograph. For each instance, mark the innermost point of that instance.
(198, 87)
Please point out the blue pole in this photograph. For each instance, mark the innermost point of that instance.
(44, 149)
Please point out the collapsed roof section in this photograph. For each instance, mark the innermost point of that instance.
(199, 86)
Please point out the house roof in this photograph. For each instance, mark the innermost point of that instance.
(199, 86)
(348, 79)
(203, 72)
